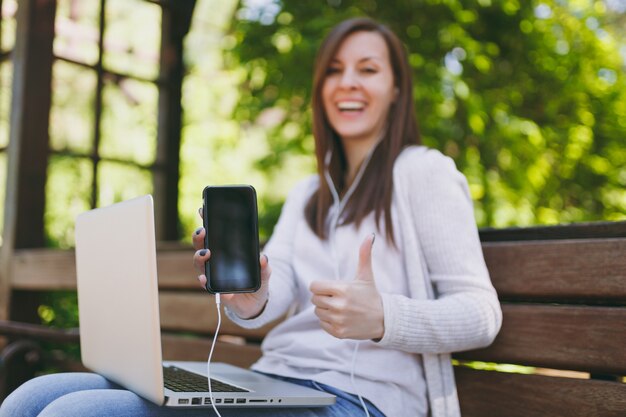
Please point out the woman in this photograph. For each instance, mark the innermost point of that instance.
(372, 178)
(373, 323)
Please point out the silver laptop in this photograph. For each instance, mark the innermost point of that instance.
(120, 326)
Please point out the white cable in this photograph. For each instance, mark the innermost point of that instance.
(334, 221)
(342, 202)
(356, 349)
(208, 362)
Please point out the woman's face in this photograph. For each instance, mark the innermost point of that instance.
(359, 88)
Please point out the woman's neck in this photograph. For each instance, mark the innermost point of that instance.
(356, 152)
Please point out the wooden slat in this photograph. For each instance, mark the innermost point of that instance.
(51, 269)
(561, 269)
(553, 270)
(592, 230)
(579, 338)
(176, 271)
(44, 269)
(184, 348)
(196, 312)
(487, 393)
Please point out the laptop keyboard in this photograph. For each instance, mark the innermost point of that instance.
(180, 380)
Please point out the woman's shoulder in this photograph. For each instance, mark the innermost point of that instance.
(303, 190)
(423, 161)
(430, 171)
(307, 185)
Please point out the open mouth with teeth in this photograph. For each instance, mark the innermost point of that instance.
(350, 106)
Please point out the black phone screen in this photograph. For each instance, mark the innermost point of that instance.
(232, 236)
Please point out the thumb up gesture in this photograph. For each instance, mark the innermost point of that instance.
(352, 309)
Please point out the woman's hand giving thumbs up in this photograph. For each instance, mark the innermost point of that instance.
(354, 309)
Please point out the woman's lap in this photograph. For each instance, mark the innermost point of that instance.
(34, 395)
(90, 395)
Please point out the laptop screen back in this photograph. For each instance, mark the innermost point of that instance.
(118, 296)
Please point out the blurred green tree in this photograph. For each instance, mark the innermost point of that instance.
(529, 98)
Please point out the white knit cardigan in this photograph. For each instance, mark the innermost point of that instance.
(444, 312)
(452, 305)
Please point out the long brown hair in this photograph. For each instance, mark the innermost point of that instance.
(373, 193)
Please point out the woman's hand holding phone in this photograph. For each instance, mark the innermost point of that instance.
(244, 305)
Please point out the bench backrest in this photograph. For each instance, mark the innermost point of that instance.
(561, 350)
(563, 294)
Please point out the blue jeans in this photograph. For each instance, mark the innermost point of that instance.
(91, 395)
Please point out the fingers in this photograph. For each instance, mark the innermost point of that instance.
(202, 280)
(327, 326)
(364, 268)
(197, 238)
(328, 288)
(198, 235)
(329, 303)
(266, 270)
(227, 298)
(328, 297)
(200, 258)
(202, 255)
(337, 331)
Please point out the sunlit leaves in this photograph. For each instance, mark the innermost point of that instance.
(71, 124)
(68, 191)
(528, 97)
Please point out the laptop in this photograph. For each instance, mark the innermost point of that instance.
(120, 326)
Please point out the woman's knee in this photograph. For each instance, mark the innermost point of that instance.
(98, 403)
(34, 395)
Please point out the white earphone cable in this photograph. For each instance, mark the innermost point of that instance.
(354, 354)
(208, 362)
(334, 221)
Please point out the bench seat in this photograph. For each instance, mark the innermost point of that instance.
(561, 350)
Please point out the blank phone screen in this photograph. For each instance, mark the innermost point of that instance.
(231, 223)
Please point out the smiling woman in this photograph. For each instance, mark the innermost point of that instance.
(366, 319)
(358, 92)
(362, 66)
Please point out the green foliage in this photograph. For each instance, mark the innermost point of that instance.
(222, 142)
(128, 122)
(59, 309)
(527, 97)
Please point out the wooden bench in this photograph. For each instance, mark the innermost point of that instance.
(563, 294)
(561, 350)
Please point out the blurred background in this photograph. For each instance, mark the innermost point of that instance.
(166, 97)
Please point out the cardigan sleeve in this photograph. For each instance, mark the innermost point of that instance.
(279, 250)
(465, 312)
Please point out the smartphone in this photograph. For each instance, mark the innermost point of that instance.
(232, 235)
